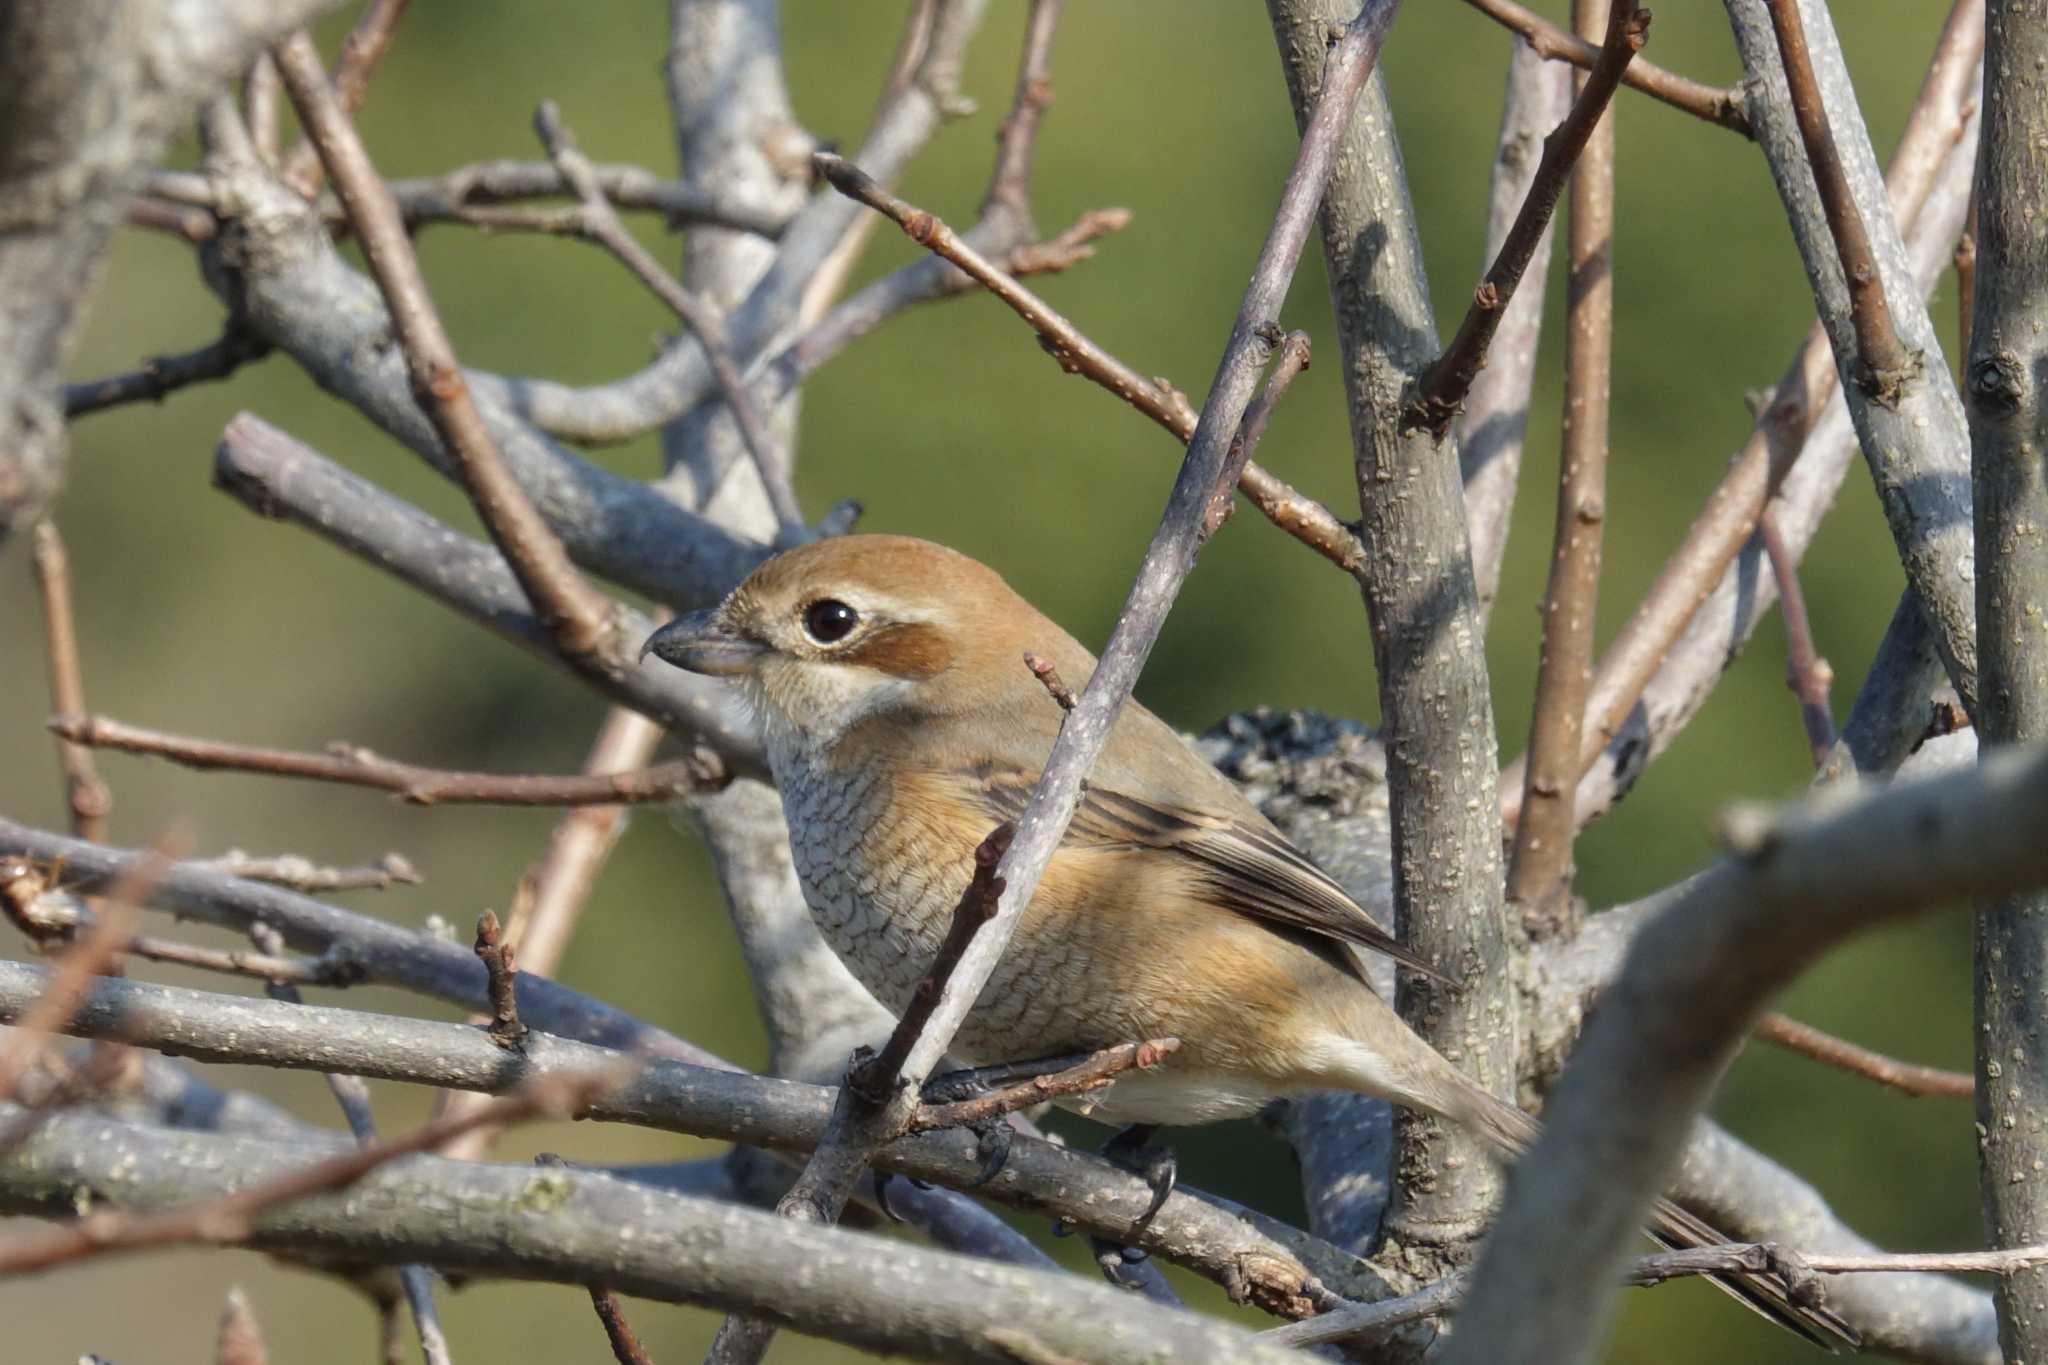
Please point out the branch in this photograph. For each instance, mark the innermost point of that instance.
(276, 476)
(161, 376)
(1539, 870)
(361, 51)
(88, 796)
(1782, 1031)
(1443, 386)
(1496, 413)
(1301, 517)
(354, 765)
(1798, 882)
(481, 1220)
(573, 611)
(1806, 673)
(1724, 107)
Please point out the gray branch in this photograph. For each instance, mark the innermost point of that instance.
(1798, 882)
(1427, 635)
(91, 92)
(2008, 361)
(566, 1226)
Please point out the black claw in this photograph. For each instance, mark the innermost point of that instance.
(883, 1179)
(992, 1145)
(1131, 1149)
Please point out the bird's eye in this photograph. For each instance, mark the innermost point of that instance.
(829, 620)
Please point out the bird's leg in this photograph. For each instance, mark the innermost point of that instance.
(1131, 1148)
(992, 1131)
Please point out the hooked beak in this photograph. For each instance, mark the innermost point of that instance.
(700, 643)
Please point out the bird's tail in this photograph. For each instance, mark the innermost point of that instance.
(1511, 1132)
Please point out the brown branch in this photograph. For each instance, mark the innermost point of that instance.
(411, 783)
(364, 47)
(1783, 1031)
(1882, 363)
(231, 1219)
(1723, 107)
(1443, 386)
(1017, 140)
(1301, 517)
(575, 613)
(1048, 675)
(194, 225)
(239, 1340)
(602, 226)
(1095, 1072)
(88, 796)
(160, 376)
(1539, 872)
(501, 970)
(325, 970)
(626, 1348)
(262, 100)
(1807, 674)
(1966, 283)
(303, 874)
(1293, 358)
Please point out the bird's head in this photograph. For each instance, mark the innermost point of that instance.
(834, 633)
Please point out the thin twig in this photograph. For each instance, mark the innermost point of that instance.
(1291, 360)
(303, 874)
(602, 225)
(196, 226)
(364, 47)
(626, 1348)
(576, 613)
(1048, 675)
(231, 1219)
(1017, 140)
(1807, 674)
(1301, 517)
(1966, 283)
(415, 785)
(1443, 385)
(160, 376)
(262, 97)
(502, 972)
(1781, 1030)
(1097, 1071)
(1680, 92)
(87, 795)
(239, 1340)
(1539, 871)
(1882, 363)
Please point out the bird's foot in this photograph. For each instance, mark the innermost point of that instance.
(978, 1082)
(1131, 1149)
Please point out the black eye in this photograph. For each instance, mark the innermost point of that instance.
(829, 620)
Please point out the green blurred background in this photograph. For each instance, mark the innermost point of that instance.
(952, 424)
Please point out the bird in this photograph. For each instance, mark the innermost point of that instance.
(901, 724)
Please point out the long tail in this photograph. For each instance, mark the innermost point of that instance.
(1512, 1131)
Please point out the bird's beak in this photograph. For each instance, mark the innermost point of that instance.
(701, 644)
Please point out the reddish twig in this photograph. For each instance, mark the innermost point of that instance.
(1443, 386)
(1966, 283)
(84, 791)
(1292, 360)
(1094, 1073)
(415, 785)
(196, 226)
(626, 1348)
(231, 1219)
(1723, 107)
(1539, 871)
(1882, 364)
(502, 969)
(1782, 1031)
(240, 1339)
(602, 226)
(1048, 675)
(364, 47)
(160, 376)
(1806, 673)
(1301, 517)
(576, 614)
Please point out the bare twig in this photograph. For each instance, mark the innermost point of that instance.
(88, 796)
(1783, 1031)
(1806, 672)
(626, 1348)
(1301, 517)
(1092, 1074)
(262, 98)
(1443, 385)
(1883, 363)
(1701, 101)
(231, 1218)
(602, 226)
(356, 766)
(575, 612)
(303, 874)
(1010, 184)
(1539, 872)
(160, 376)
(1292, 359)
(240, 1338)
(501, 968)
(1049, 677)
(1966, 283)
(360, 52)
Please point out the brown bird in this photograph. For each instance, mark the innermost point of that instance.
(901, 725)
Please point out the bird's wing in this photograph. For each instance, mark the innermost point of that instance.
(1244, 864)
